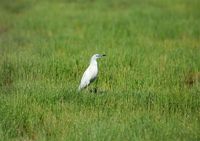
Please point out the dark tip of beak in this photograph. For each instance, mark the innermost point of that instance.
(103, 55)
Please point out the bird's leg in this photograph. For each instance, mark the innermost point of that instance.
(87, 89)
(96, 85)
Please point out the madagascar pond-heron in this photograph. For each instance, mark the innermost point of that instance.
(91, 72)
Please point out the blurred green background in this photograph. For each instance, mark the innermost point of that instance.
(148, 86)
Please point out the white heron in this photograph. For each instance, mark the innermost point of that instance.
(91, 72)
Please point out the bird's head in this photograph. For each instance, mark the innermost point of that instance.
(96, 56)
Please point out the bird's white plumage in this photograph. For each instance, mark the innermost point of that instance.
(91, 72)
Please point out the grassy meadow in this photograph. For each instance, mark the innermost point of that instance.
(148, 87)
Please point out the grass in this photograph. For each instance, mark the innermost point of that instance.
(148, 85)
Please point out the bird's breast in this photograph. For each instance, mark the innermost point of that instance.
(93, 72)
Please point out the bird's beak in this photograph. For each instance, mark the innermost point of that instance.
(103, 55)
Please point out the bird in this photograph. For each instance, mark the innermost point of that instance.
(91, 72)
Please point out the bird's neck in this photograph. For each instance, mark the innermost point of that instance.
(93, 62)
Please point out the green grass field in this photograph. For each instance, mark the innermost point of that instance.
(148, 87)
